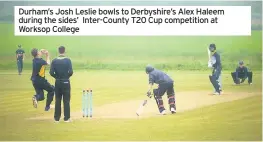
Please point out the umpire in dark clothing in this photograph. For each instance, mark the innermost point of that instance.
(61, 70)
(242, 73)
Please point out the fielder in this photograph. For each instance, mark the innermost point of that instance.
(215, 64)
(242, 73)
(20, 56)
(165, 85)
(38, 78)
(61, 70)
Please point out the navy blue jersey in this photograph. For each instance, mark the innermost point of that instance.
(38, 70)
(217, 63)
(159, 77)
(241, 71)
(61, 68)
(20, 53)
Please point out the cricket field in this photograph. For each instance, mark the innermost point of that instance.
(114, 68)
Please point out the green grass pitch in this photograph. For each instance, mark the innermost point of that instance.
(114, 68)
(231, 120)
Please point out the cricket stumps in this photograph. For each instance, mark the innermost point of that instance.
(87, 106)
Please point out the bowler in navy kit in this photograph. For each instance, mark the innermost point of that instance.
(242, 73)
(215, 63)
(61, 70)
(38, 78)
(166, 84)
(20, 55)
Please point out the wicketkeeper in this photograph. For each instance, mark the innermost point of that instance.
(215, 64)
(242, 73)
(165, 85)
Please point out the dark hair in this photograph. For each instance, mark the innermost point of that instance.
(34, 52)
(61, 50)
(19, 46)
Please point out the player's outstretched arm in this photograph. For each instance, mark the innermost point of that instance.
(151, 81)
(150, 87)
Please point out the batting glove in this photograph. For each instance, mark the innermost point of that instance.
(210, 65)
(149, 94)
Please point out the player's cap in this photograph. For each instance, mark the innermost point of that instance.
(241, 63)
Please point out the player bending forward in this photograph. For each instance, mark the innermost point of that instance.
(165, 85)
(38, 78)
(242, 73)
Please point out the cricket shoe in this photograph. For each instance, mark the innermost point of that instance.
(67, 121)
(216, 93)
(163, 112)
(34, 99)
(221, 92)
(250, 83)
(56, 121)
(173, 111)
(47, 108)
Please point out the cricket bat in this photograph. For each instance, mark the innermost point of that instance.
(141, 108)
(209, 54)
(209, 58)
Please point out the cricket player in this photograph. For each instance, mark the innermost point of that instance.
(20, 56)
(242, 73)
(165, 85)
(61, 70)
(38, 78)
(215, 64)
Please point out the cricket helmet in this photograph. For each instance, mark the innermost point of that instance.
(241, 62)
(212, 47)
(149, 69)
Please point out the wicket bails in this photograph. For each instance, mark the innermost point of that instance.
(87, 103)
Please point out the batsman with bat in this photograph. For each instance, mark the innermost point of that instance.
(215, 63)
(166, 84)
